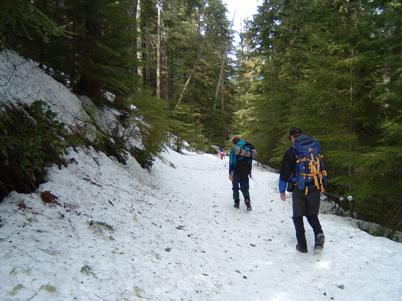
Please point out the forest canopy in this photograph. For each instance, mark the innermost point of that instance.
(332, 68)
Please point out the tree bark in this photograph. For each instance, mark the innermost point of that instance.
(158, 56)
(164, 62)
(88, 84)
(138, 38)
(220, 84)
(134, 15)
(164, 70)
(146, 54)
(191, 75)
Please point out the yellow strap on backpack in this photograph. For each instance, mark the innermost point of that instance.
(315, 172)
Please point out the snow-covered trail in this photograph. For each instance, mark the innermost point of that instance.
(114, 237)
(251, 255)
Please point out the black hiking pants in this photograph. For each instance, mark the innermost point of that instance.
(308, 206)
(243, 182)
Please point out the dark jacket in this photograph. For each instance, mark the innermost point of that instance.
(239, 166)
(288, 169)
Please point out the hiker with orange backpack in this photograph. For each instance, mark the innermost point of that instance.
(303, 173)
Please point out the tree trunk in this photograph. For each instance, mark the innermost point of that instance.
(191, 74)
(351, 126)
(220, 85)
(88, 84)
(158, 56)
(138, 38)
(164, 70)
(146, 52)
(134, 15)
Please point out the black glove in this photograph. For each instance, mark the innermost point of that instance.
(290, 187)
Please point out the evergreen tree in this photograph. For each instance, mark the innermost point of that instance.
(21, 21)
(333, 69)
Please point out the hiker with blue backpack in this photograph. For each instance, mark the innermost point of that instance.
(303, 173)
(240, 164)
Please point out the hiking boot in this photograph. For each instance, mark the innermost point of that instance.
(248, 204)
(319, 241)
(300, 249)
(236, 204)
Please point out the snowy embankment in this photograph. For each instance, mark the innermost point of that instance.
(100, 230)
(176, 236)
(23, 82)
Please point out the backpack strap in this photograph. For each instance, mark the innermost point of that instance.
(245, 150)
(309, 163)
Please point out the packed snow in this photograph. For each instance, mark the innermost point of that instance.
(22, 81)
(115, 232)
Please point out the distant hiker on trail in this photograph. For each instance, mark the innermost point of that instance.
(302, 172)
(240, 163)
(221, 153)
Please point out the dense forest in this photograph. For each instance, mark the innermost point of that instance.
(137, 53)
(332, 68)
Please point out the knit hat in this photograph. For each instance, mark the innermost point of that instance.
(295, 132)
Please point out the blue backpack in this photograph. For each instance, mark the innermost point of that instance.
(245, 151)
(310, 167)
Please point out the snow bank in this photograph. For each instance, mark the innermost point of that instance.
(21, 81)
(109, 237)
(107, 120)
(78, 246)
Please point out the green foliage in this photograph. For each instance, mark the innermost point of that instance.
(21, 20)
(86, 44)
(99, 48)
(30, 140)
(197, 34)
(186, 127)
(151, 116)
(333, 69)
(143, 157)
(112, 144)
